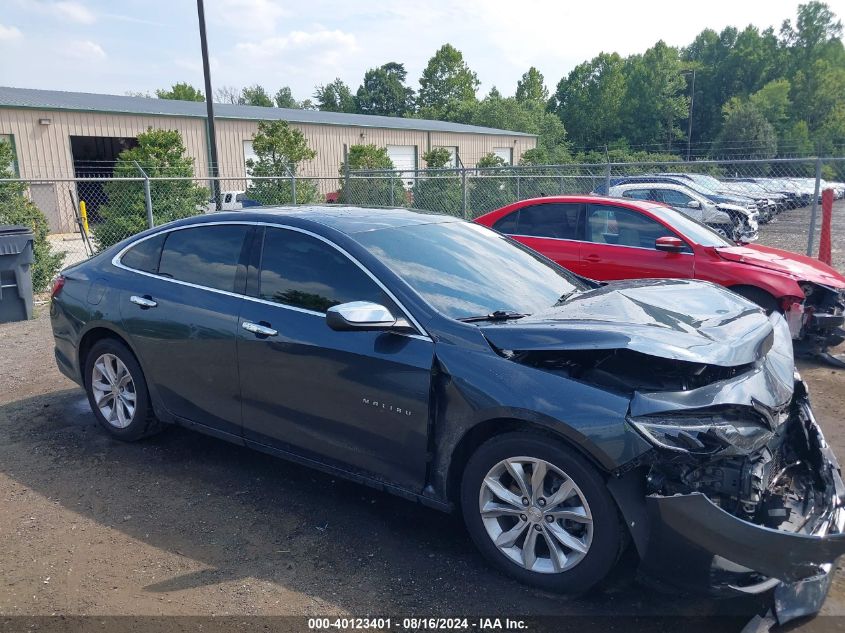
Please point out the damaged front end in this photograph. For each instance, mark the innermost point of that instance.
(816, 322)
(741, 492)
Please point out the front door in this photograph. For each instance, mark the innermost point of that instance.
(620, 244)
(356, 399)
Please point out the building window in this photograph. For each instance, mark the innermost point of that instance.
(10, 139)
(505, 153)
(249, 154)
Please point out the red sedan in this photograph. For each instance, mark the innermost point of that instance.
(611, 238)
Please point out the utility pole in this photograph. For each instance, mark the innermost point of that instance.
(689, 124)
(209, 104)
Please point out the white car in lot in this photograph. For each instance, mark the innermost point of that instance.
(229, 201)
(728, 220)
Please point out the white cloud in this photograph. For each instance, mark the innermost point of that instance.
(255, 17)
(86, 49)
(74, 11)
(9, 33)
(325, 41)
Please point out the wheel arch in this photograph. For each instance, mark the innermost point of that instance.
(485, 430)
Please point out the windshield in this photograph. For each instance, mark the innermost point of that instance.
(465, 270)
(689, 228)
(708, 181)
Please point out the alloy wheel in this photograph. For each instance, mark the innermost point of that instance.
(114, 390)
(536, 515)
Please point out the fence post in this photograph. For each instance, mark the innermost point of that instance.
(345, 173)
(811, 238)
(390, 186)
(148, 199)
(518, 196)
(293, 182)
(607, 180)
(464, 192)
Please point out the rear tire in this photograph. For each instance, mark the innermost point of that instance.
(541, 513)
(117, 391)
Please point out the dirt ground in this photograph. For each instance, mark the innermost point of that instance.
(189, 525)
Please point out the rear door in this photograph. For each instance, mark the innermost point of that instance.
(358, 399)
(180, 310)
(552, 228)
(620, 244)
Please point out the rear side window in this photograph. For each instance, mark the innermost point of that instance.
(144, 255)
(507, 224)
(205, 255)
(301, 271)
(639, 194)
(553, 220)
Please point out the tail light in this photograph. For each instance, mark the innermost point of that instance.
(57, 285)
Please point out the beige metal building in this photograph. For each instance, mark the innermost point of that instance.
(65, 135)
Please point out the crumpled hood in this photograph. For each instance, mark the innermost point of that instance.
(800, 267)
(686, 320)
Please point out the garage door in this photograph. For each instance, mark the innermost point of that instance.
(404, 158)
(505, 153)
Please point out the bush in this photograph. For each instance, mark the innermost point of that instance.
(160, 153)
(439, 191)
(15, 208)
(380, 188)
(279, 148)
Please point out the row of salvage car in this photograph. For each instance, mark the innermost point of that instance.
(733, 207)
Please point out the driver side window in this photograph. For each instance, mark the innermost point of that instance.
(674, 198)
(300, 271)
(622, 227)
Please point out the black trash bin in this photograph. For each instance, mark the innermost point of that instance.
(15, 273)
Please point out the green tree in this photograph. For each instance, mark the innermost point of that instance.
(280, 148)
(446, 83)
(654, 102)
(492, 187)
(181, 91)
(160, 153)
(384, 91)
(531, 88)
(335, 97)
(17, 209)
(438, 191)
(746, 133)
(284, 98)
(255, 96)
(370, 183)
(589, 100)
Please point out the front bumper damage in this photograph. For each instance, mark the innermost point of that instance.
(818, 323)
(732, 516)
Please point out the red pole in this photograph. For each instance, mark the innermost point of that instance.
(827, 213)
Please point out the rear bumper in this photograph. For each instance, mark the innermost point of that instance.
(696, 544)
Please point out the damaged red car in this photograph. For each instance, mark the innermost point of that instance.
(611, 238)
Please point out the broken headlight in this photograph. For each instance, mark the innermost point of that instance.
(721, 433)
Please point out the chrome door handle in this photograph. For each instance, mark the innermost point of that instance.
(260, 330)
(143, 301)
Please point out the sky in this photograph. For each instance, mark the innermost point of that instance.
(118, 46)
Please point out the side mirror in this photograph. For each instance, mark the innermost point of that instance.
(362, 316)
(669, 244)
(694, 204)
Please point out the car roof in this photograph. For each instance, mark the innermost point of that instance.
(346, 219)
(645, 205)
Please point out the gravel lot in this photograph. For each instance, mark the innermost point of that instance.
(182, 524)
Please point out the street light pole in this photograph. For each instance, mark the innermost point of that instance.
(689, 124)
(209, 104)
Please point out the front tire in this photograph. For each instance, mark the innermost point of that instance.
(117, 391)
(540, 513)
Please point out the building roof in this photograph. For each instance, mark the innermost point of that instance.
(91, 102)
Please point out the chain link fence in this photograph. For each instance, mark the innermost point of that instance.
(775, 201)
